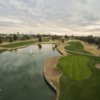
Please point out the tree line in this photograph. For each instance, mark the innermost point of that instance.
(89, 39)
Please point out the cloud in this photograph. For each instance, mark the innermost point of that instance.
(53, 15)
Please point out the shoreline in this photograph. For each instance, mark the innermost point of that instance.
(54, 80)
(8, 49)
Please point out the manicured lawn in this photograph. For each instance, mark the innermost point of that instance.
(77, 47)
(75, 67)
(71, 88)
(80, 79)
(23, 43)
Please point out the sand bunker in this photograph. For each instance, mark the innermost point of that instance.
(97, 66)
(91, 48)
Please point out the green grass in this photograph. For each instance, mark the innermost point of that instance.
(5, 40)
(18, 44)
(72, 84)
(23, 43)
(77, 47)
(2, 50)
(46, 39)
(75, 67)
(73, 89)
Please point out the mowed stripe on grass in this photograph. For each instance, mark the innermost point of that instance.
(75, 67)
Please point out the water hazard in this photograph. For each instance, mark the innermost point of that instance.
(21, 73)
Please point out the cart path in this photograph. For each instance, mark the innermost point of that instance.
(79, 52)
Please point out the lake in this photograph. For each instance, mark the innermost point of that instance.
(21, 73)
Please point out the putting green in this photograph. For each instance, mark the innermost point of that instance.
(75, 67)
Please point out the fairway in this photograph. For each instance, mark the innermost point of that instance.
(76, 47)
(80, 79)
(76, 67)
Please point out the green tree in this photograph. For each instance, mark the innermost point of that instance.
(66, 36)
(72, 36)
(0, 41)
(40, 46)
(10, 39)
(38, 36)
(54, 37)
(90, 39)
(28, 37)
(62, 40)
(99, 46)
(14, 37)
(40, 39)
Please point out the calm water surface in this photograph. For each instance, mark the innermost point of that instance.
(21, 73)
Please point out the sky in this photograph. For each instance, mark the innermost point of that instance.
(61, 17)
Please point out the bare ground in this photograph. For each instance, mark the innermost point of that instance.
(97, 66)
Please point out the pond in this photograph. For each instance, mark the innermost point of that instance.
(21, 73)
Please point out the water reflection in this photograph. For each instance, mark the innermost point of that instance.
(39, 46)
(54, 46)
(21, 76)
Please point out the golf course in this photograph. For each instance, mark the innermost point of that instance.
(80, 78)
(23, 43)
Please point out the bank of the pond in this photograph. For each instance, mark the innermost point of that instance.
(14, 48)
(53, 79)
(51, 72)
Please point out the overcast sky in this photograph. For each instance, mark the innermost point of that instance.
(78, 17)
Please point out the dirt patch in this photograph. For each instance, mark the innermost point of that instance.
(97, 66)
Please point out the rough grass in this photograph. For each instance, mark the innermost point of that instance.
(23, 43)
(87, 89)
(77, 47)
(2, 50)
